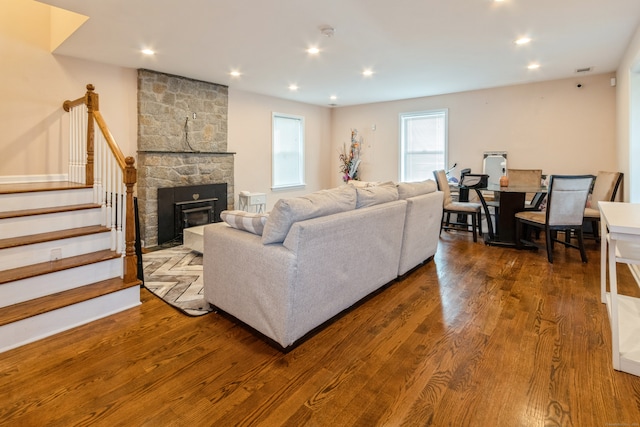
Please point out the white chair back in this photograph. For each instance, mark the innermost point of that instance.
(567, 199)
(443, 185)
(605, 187)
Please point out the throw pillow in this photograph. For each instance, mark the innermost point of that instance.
(247, 221)
(412, 189)
(376, 194)
(288, 211)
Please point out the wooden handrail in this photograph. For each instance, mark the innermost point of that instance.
(110, 141)
(127, 165)
(68, 105)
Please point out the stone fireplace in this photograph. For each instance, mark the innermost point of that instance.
(182, 144)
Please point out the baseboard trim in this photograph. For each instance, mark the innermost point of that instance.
(22, 179)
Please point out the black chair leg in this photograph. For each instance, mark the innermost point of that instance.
(595, 227)
(550, 238)
(474, 225)
(583, 253)
(518, 233)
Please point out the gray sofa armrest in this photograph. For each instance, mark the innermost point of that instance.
(248, 279)
(421, 230)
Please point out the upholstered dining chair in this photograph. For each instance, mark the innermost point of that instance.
(458, 208)
(605, 189)
(567, 196)
(525, 177)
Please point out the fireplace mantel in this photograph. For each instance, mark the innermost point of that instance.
(212, 153)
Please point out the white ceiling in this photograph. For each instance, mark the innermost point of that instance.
(415, 47)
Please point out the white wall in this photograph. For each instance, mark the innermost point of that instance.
(550, 125)
(249, 135)
(34, 85)
(628, 118)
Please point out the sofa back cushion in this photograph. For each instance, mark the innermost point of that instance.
(412, 189)
(376, 194)
(288, 211)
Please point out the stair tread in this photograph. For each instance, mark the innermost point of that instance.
(30, 187)
(20, 273)
(13, 242)
(24, 310)
(49, 210)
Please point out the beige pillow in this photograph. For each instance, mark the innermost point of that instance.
(247, 221)
(376, 194)
(412, 189)
(321, 203)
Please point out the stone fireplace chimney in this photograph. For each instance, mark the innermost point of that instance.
(182, 141)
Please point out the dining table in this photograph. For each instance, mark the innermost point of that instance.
(508, 200)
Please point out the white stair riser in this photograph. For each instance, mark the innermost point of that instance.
(24, 226)
(37, 327)
(21, 256)
(46, 284)
(41, 199)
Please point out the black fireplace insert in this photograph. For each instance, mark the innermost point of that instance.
(182, 207)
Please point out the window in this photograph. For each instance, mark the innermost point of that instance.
(288, 151)
(423, 144)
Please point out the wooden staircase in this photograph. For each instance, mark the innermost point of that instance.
(67, 253)
(57, 269)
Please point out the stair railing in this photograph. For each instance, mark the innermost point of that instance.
(96, 160)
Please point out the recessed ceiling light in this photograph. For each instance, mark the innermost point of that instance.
(523, 40)
(148, 52)
(368, 72)
(313, 51)
(333, 97)
(235, 73)
(533, 66)
(293, 87)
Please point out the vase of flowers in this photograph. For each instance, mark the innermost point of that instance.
(350, 159)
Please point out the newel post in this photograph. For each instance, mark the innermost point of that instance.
(131, 259)
(91, 100)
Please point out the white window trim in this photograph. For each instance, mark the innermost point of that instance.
(301, 183)
(401, 117)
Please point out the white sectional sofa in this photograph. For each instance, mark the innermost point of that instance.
(288, 272)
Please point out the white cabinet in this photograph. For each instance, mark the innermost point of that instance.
(620, 243)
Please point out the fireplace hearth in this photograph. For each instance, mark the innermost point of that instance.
(188, 206)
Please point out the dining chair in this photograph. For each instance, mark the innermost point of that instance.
(458, 208)
(567, 196)
(605, 189)
(526, 177)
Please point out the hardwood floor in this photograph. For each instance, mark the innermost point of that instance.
(481, 336)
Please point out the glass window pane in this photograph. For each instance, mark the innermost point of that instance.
(423, 144)
(288, 153)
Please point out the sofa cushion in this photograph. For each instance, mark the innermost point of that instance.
(412, 189)
(376, 194)
(288, 211)
(247, 221)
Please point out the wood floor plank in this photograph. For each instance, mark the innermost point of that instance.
(479, 336)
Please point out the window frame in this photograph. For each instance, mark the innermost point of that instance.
(301, 152)
(403, 118)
